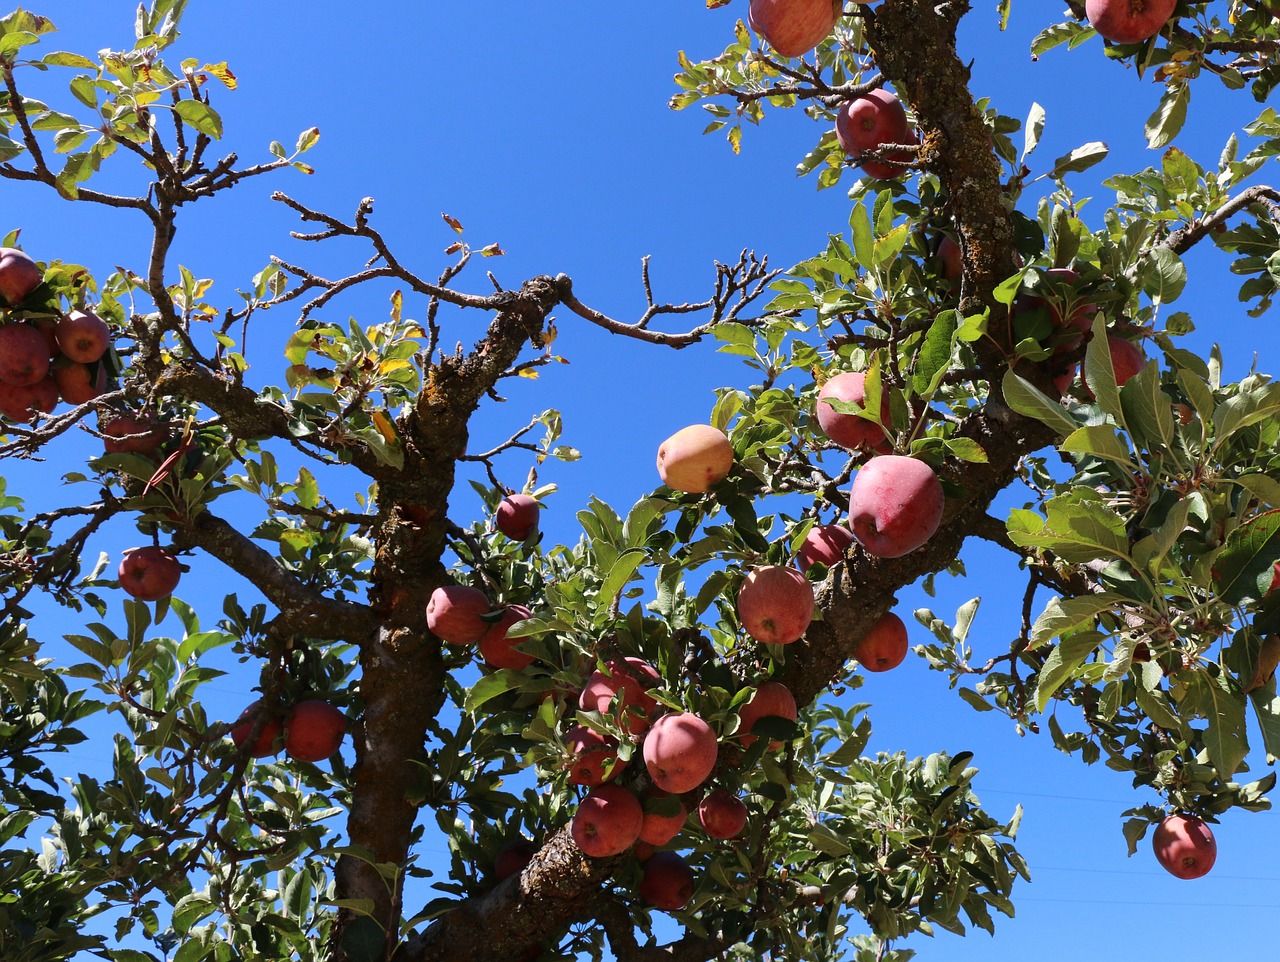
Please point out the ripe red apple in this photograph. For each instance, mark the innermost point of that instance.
(793, 27)
(149, 573)
(78, 382)
(680, 752)
(593, 757)
(849, 430)
(1064, 301)
(895, 505)
(83, 336)
(19, 275)
(884, 646)
(517, 516)
(497, 649)
(1128, 21)
(512, 858)
(667, 882)
(722, 814)
(265, 743)
(21, 404)
(607, 822)
(1127, 360)
(869, 123)
(771, 699)
(775, 604)
(454, 614)
(24, 354)
(313, 730)
(695, 458)
(133, 434)
(664, 817)
(627, 680)
(950, 258)
(1185, 846)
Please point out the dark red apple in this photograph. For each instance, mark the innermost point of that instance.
(1128, 21)
(593, 757)
(869, 123)
(313, 730)
(497, 649)
(884, 646)
(950, 258)
(607, 822)
(79, 382)
(517, 516)
(664, 816)
(454, 614)
(775, 604)
(895, 505)
(83, 336)
(629, 682)
(149, 573)
(1185, 846)
(265, 743)
(667, 882)
(21, 404)
(850, 430)
(133, 434)
(1127, 360)
(722, 814)
(695, 458)
(680, 751)
(824, 544)
(512, 858)
(793, 27)
(19, 275)
(771, 699)
(24, 355)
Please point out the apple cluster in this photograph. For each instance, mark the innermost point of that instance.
(44, 361)
(310, 731)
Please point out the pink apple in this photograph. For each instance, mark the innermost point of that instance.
(593, 757)
(722, 814)
(19, 275)
(1128, 21)
(454, 614)
(664, 817)
(850, 430)
(695, 458)
(607, 822)
(895, 505)
(133, 434)
(771, 699)
(313, 730)
(775, 604)
(22, 404)
(1185, 846)
(793, 27)
(83, 336)
(884, 646)
(79, 382)
(667, 882)
(497, 649)
(628, 681)
(869, 123)
(265, 743)
(680, 751)
(149, 573)
(950, 258)
(517, 516)
(825, 544)
(24, 355)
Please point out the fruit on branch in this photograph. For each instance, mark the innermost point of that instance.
(664, 816)
(950, 258)
(593, 757)
(628, 681)
(517, 516)
(850, 431)
(607, 822)
(512, 858)
(454, 614)
(1127, 360)
(133, 434)
(1128, 21)
(313, 730)
(83, 336)
(680, 752)
(78, 382)
(884, 646)
(868, 124)
(266, 742)
(771, 699)
(824, 544)
(793, 27)
(723, 815)
(695, 458)
(667, 882)
(497, 649)
(24, 355)
(895, 505)
(19, 275)
(149, 573)
(22, 404)
(1185, 846)
(775, 604)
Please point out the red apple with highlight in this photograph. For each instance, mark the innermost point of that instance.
(667, 881)
(825, 544)
(771, 699)
(607, 822)
(793, 27)
(884, 646)
(133, 434)
(775, 604)
(149, 573)
(1128, 21)
(895, 505)
(723, 815)
(680, 752)
(1185, 846)
(869, 123)
(78, 382)
(695, 458)
(313, 730)
(517, 516)
(19, 275)
(454, 614)
(83, 336)
(628, 681)
(664, 816)
(22, 404)
(24, 355)
(850, 431)
(266, 742)
(500, 651)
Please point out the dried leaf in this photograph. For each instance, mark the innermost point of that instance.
(1268, 660)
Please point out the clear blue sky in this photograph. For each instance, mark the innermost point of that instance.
(544, 127)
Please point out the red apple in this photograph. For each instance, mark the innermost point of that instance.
(1128, 21)
(772, 699)
(950, 258)
(78, 382)
(265, 743)
(149, 573)
(664, 817)
(24, 355)
(497, 649)
(869, 123)
(21, 404)
(695, 458)
(1185, 846)
(850, 430)
(607, 822)
(722, 814)
(517, 516)
(775, 604)
(593, 757)
(628, 681)
(512, 858)
(793, 27)
(680, 752)
(895, 505)
(667, 882)
(83, 336)
(824, 544)
(313, 730)
(133, 434)
(454, 614)
(884, 646)
(1127, 360)
(19, 275)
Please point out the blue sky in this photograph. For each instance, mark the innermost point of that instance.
(544, 127)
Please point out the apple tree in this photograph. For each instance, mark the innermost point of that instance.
(662, 716)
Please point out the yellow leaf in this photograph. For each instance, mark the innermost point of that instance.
(384, 426)
(222, 72)
(528, 372)
(735, 139)
(397, 301)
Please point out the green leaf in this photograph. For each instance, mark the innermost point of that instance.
(491, 686)
(200, 116)
(1078, 528)
(620, 574)
(1061, 665)
(1242, 568)
(1082, 158)
(1024, 398)
(1099, 441)
(1100, 374)
(1062, 614)
(1148, 411)
(1163, 125)
(61, 58)
(1032, 129)
(1164, 283)
(1223, 705)
(934, 356)
(307, 139)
